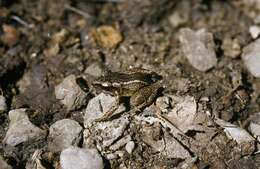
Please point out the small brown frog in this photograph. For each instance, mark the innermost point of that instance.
(140, 85)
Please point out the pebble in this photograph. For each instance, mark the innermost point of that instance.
(107, 36)
(254, 31)
(3, 106)
(70, 94)
(251, 58)
(129, 147)
(63, 134)
(79, 158)
(101, 101)
(21, 129)
(198, 47)
(3, 164)
(231, 47)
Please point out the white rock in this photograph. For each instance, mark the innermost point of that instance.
(198, 47)
(70, 94)
(21, 129)
(78, 158)
(129, 147)
(63, 134)
(3, 106)
(98, 106)
(251, 58)
(254, 31)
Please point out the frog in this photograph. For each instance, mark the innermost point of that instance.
(140, 85)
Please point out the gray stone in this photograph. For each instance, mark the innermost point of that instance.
(98, 106)
(70, 94)
(198, 47)
(251, 58)
(21, 129)
(78, 158)
(63, 134)
(3, 106)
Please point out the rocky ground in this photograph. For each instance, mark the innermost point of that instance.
(206, 116)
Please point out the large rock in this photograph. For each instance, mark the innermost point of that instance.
(198, 47)
(21, 129)
(251, 58)
(78, 158)
(63, 134)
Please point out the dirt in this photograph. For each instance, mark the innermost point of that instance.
(44, 41)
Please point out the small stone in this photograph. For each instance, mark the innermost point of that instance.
(254, 31)
(129, 147)
(93, 110)
(251, 58)
(231, 47)
(107, 36)
(3, 164)
(79, 158)
(63, 134)
(70, 94)
(21, 129)
(3, 106)
(198, 47)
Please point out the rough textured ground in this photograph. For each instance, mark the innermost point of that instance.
(44, 42)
